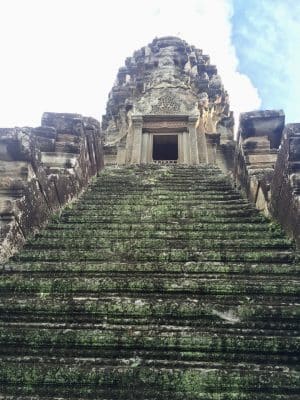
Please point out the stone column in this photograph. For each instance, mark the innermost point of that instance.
(121, 154)
(185, 148)
(137, 124)
(193, 139)
(150, 148)
(145, 147)
(212, 141)
(180, 148)
(202, 147)
(129, 141)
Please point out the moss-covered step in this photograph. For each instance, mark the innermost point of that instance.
(177, 268)
(81, 376)
(117, 252)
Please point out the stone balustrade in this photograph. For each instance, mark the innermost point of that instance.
(285, 184)
(267, 166)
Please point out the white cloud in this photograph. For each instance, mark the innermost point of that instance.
(63, 55)
(269, 40)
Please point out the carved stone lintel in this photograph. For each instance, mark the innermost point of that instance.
(165, 125)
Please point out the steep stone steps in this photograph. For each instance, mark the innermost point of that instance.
(158, 282)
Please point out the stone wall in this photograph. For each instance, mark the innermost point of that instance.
(42, 169)
(285, 184)
(267, 166)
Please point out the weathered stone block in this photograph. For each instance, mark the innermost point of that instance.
(64, 123)
(45, 131)
(41, 170)
(269, 123)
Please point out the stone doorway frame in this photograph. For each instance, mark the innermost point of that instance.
(145, 126)
(157, 143)
(147, 147)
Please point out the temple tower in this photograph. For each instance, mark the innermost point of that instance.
(168, 105)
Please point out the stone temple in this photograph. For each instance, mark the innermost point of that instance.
(168, 105)
(155, 256)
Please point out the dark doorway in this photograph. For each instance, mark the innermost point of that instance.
(165, 147)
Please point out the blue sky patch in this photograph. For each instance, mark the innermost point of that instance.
(266, 36)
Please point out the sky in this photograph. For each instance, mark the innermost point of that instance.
(63, 55)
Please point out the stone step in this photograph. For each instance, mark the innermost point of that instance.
(207, 176)
(192, 187)
(156, 255)
(207, 227)
(161, 190)
(184, 235)
(161, 198)
(163, 213)
(140, 394)
(237, 330)
(159, 343)
(155, 283)
(10, 276)
(92, 195)
(253, 314)
(270, 325)
(220, 268)
(163, 244)
(91, 374)
(134, 206)
(224, 307)
(163, 219)
(159, 201)
(175, 354)
(101, 367)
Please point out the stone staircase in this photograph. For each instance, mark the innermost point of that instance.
(161, 282)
